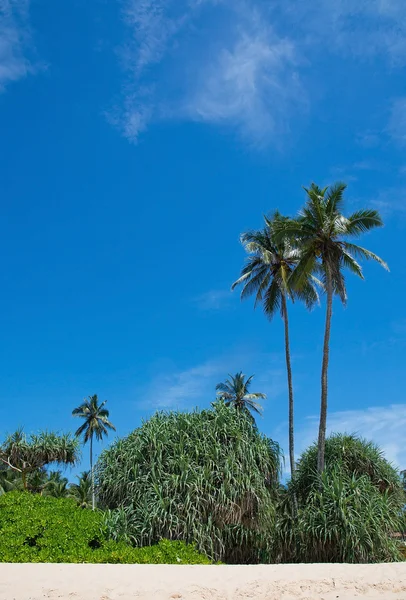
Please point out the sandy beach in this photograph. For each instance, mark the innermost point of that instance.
(166, 582)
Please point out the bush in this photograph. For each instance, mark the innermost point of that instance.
(352, 455)
(203, 477)
(34, 528)
(347, 515)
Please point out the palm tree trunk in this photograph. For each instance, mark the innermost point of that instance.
(290, 387)
(91, 471)
(24, 479)
(321, 444)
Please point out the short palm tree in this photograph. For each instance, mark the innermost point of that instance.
(56, 485)
(266, 275)
(320, 232)
(96, 423)
(235, 392)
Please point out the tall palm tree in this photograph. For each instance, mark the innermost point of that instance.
(321, 231)
(96, 424)
(235, 392)
(267, 276)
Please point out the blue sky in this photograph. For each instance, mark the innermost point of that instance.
(139, 138)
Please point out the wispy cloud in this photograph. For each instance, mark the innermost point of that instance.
(241, 64)
(227, 67)
(213, 300)
(195, 386)
(384, 425)
(362, 29)
(14, 32)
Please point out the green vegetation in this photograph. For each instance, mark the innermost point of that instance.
(320, 234)
(190, 485)
(29, 455)
(206, 477)
(235, 392)
(347, 515)
(266, 276)
(35, 528)
(96, 424)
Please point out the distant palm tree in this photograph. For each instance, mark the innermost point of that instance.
(56, 485)
(266, 275)
(82, 491)
(320, 233)
(235, 392)
(96, 424)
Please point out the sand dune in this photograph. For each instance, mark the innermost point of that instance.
(166, 582)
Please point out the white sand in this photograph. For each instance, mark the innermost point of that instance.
(166, 582)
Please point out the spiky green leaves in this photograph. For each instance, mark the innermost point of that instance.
(204, 477)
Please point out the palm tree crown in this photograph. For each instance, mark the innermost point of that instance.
(269, 266)
(96, 419)
(266, 275)
(235, 392)
(321, 232)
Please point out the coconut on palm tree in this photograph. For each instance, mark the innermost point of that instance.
(235, 392)
(266, 276)
(96, 424)
(321, 232)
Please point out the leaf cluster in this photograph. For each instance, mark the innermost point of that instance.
(35, 528)
(204, 477)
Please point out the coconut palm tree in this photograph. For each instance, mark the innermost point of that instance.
(29, 455)
(56, 485)
(96, 424)
(320, 232)
(82, 491)
(267, 276)
(235, 392)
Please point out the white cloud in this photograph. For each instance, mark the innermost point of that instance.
(384, 425)
(250, 86)
(230, 68)
(239, 64)
(195, 386)
(13, 33)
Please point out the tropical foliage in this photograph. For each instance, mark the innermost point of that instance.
(235, 392)
(206, 477)
(36, 528)
(190, 485)
(96, 424)
(321, 233)
(29, 455)
(347, 515)
(266, 275)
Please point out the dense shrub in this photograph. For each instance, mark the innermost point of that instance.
(203, 477)
(351, 455)
(347, 515)
(34, 528)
